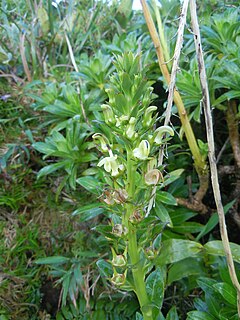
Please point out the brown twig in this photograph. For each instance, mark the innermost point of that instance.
(172, 83)
(23, 56)
(199, 161)
(211, 152)
(171, 86)
(233, 130)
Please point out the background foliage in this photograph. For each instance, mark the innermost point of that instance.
(56, 62)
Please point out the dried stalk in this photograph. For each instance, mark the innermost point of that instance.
(77, 70)
(211, 152)
(171, 88)
(199, 162)
(23, 56)
(198, 159)
(176, 58)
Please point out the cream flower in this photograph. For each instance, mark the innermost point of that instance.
(147, 118)
(130, 128)
(110, 164)
(142, 151)
(103, 141)
(108, 114)
(153, 176)
(160, 133)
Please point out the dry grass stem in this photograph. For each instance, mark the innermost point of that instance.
(211, 152)
(23, 56)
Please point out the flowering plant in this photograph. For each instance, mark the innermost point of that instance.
(129, 142)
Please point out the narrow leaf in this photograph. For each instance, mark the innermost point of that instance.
(199, 315)
(88, 212)
(52, 260)
(213, 221)
(166, 197)
(91, 184)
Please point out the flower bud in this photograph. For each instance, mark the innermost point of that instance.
(118, 279)
(121, 120)
(130, 128)
(147, 118)
(108, 114)
(142, 151)
(152, 164)
(136, 217)
(160, 132)
(150, 253)
(118, 230)
(120, 195)
(103, 141)
(119, 260)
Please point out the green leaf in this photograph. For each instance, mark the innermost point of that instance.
(174, 250)
(105, 269)
(199, 315)
(44, 147)
(188, 227)
(172, 176)
(91, 184)
(216, 248)
(99, 314)
(88, 212)
(166, 197)
(139, 316)
(50, 169)
(65, 287)
(213, 221)
(228, 292)
(78, 275)
(179, 215)
(52, 260)
(182, 269)
(155, 286)
(206, 284)
(172, 314)
(162, 213)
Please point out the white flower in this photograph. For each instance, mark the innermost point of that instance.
(110, 164)
(121, 120)
(160, 132)
(103, 141)
(153, 176)
(147, 118)
(142, 151)
(130, 128)
(108, 114)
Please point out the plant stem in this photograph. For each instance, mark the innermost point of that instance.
(200, 163)
(211, 152)
(133, 250)
(233, 130)
(138, 273)
(161, 34)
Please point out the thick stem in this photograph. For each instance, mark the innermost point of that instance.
(138, 273)
(199, 161)
(133, 250)
(161, 34)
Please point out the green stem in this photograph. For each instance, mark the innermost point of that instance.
(133, 250)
